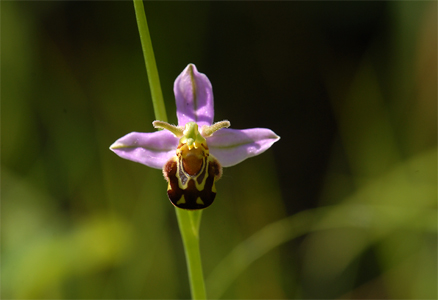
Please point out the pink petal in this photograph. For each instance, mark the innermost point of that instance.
(151, 149)
(194, 97)
(231, 146)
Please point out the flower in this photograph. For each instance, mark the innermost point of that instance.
(192, 154)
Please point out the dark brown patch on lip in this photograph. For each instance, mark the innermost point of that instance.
(169, 170)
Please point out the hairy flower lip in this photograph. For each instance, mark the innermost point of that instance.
(194, 102)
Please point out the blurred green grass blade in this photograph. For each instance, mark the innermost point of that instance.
(365, 211)
(253, 248)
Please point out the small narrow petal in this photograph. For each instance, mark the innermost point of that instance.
(194, 97)
(231, 146)
(176, 130)
(207, 131)
(151, 149)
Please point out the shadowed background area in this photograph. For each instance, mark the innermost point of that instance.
(343, 206)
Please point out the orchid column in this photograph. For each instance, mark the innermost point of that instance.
(191, 154)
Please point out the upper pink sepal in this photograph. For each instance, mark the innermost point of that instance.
(194, 97)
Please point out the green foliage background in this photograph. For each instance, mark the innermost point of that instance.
(343, 206)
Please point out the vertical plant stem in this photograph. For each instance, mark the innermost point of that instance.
(151, 66)
(188, 221)
(189, 227)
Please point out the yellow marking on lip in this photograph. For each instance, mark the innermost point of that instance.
(181, 201)
(199, 201)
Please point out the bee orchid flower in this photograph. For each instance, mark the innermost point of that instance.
(193, 153)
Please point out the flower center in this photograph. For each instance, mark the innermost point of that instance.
(191, 137)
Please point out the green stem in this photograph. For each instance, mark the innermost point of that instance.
(189, 227)
(188, 221)
(149, 58)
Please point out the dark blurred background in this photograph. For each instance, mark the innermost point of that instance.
(343, 206)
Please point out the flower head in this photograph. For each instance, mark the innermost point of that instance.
(192, 154)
